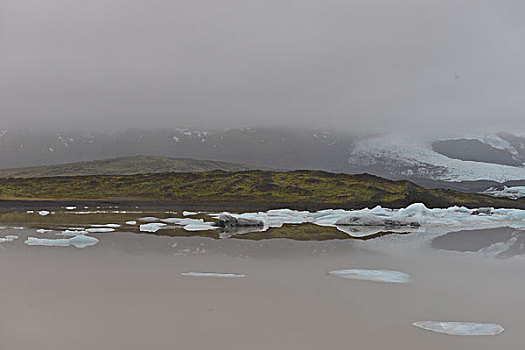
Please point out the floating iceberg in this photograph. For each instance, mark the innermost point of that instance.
(70, 208)
(460, 328)
(41, 230)
(373, 275)
(149, 219)
(131, 222)
(100, 229)
(80, 241)
(199, 227)
(211, 274)
(151, 227)
(107, 225)
(43, 213)
(8, 238)
(188, 213)
(72, 233)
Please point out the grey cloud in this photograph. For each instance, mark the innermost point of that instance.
(354, 65)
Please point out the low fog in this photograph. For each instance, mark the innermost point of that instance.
(346, 65)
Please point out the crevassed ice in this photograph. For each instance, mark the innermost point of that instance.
(373, 275)
(460, 328)
(211, 274)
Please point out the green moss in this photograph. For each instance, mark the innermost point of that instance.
(297, 189)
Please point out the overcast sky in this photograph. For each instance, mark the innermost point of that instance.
(353, 65)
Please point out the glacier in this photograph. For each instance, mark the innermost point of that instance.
(415, 153)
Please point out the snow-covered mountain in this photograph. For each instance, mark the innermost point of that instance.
(259, 147)
(472, 162)
(446, 157)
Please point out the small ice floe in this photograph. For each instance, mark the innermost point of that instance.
(107, 225)
(188, 213)
(211, 274)
(460, 328)
(200, 227)
(8, 238)
(80, 241)
(70, 208)
(373, 275)
(41, 230)
(183, 222)
(72, 233)
(151, 227)
(18, 228)
(30, 211)
(148, 219)
(131, 222)
(100, 229)
(43, 213)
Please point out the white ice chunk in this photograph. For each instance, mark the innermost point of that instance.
(8, 238)
(188, 213)
(43, 213)
(211, 274)
(80, 241)
(71, 233)
(70, 208)
(151, 227)
(100, 229)
(107, 225)
(185, 221)
(41, 230)
(149, 219)
(460, 328)
(132, 222)
(200, 227)
(373, 275)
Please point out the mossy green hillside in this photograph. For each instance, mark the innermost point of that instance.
(295, 189)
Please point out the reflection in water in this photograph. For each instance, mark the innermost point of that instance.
(500, 242)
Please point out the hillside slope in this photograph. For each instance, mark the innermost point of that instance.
(294, 189)
(124, 166)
